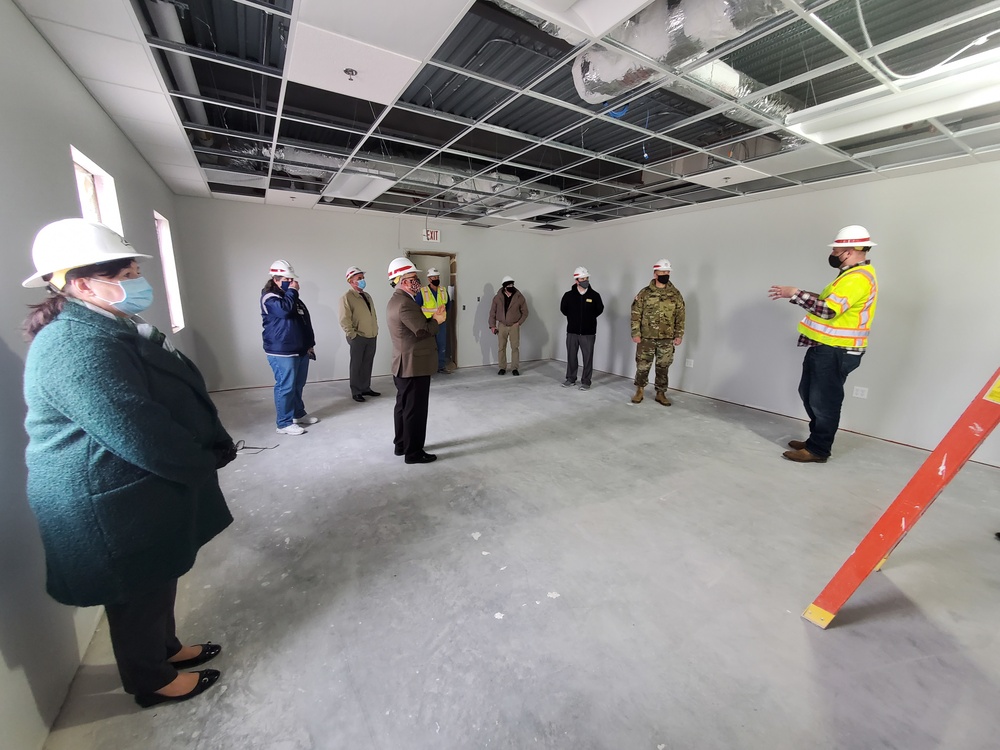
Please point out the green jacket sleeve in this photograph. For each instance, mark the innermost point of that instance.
(679, 317)
(104, 390)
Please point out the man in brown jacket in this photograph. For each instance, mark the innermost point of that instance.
(360, 324)
(508, 311)
(414, 360)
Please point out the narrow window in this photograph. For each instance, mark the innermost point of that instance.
(170, 281)
(98, 199)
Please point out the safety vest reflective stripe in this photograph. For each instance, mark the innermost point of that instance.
(856, 321)
(431, 301)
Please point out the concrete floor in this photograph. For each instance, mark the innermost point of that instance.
(573, 572)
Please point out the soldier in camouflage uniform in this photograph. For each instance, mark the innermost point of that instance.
(657, 327)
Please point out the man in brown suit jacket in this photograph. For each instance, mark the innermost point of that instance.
(414, 360)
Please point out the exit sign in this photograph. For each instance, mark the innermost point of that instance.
(432, 235)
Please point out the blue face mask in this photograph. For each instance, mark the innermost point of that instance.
(361, 284)
(138, 295)
(285, 285)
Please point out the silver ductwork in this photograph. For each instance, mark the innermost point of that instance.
(168, 27)
(674, 38)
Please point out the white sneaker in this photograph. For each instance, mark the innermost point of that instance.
(292, 429)
(306, 420)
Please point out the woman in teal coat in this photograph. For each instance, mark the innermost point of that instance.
(124, 445)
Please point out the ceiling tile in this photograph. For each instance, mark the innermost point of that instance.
(110, 18)
(172, 171)
(288, 198)
(415, 31)
(143, 132)
(319, 58)
(126, 101)
(195, 188)
(725, 176)
(101, 57)
(178, 157)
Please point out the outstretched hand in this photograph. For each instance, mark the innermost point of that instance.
(781, 292)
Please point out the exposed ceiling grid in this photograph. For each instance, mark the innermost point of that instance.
(533, 114)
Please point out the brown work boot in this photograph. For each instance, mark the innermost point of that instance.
(797, 445)
(802, 456)
(637, 398)
(661, 398)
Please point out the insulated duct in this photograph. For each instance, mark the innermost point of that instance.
(168, 28)
(676, 37)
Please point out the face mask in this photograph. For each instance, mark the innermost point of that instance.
(138, 295)
(509, 288)
(411, 285)
(834, 261)
(284, 285)
(361, 284)
(436, 282)
(584, 284)
(663, 279)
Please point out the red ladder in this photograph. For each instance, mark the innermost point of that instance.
(962, 440)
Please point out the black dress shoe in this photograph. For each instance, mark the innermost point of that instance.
(398, 451)
(502, 372)
(515, 372)
(208, 652)
(359, 398)
(206, 678)
(371, 393)
(423, 458)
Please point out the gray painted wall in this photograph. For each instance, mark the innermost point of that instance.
(933, 344)
(228, 247)
(41, 641)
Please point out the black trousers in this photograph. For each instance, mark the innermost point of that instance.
(579, 343)
(143, 638)
(821, 388)
(362, 357)
(412, 396)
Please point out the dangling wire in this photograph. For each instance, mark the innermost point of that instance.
(252, 450)
(899, 76)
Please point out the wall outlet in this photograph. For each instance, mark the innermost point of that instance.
(689, 363)
(860, 392)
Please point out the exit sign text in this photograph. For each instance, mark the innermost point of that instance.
(432, 235)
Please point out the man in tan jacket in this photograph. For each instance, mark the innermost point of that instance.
(414, 360)
(508, 311)
(360, 324)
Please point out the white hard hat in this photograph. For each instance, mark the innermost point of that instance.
(400, 266)
(352, 271)
(283, 268)
(853, 236)
(71, 243)
(661, 265)
(581, 273)
(505, 279)
(433, 272)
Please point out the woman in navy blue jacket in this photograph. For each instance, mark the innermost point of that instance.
(288, 344)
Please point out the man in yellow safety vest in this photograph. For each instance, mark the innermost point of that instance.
(835, 330)
(435, 297)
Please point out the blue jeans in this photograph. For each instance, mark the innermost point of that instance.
(824, 372)
(442, 342)
(289, 379)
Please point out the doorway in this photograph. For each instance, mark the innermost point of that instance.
(447, 264)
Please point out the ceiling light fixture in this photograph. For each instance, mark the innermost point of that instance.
(877, 109)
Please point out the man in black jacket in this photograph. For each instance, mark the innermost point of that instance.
(581, 305)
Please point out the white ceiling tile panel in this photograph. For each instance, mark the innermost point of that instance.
(318, 59)
(109, 17)
(101, 57)
(409, 28)
(126, 101)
